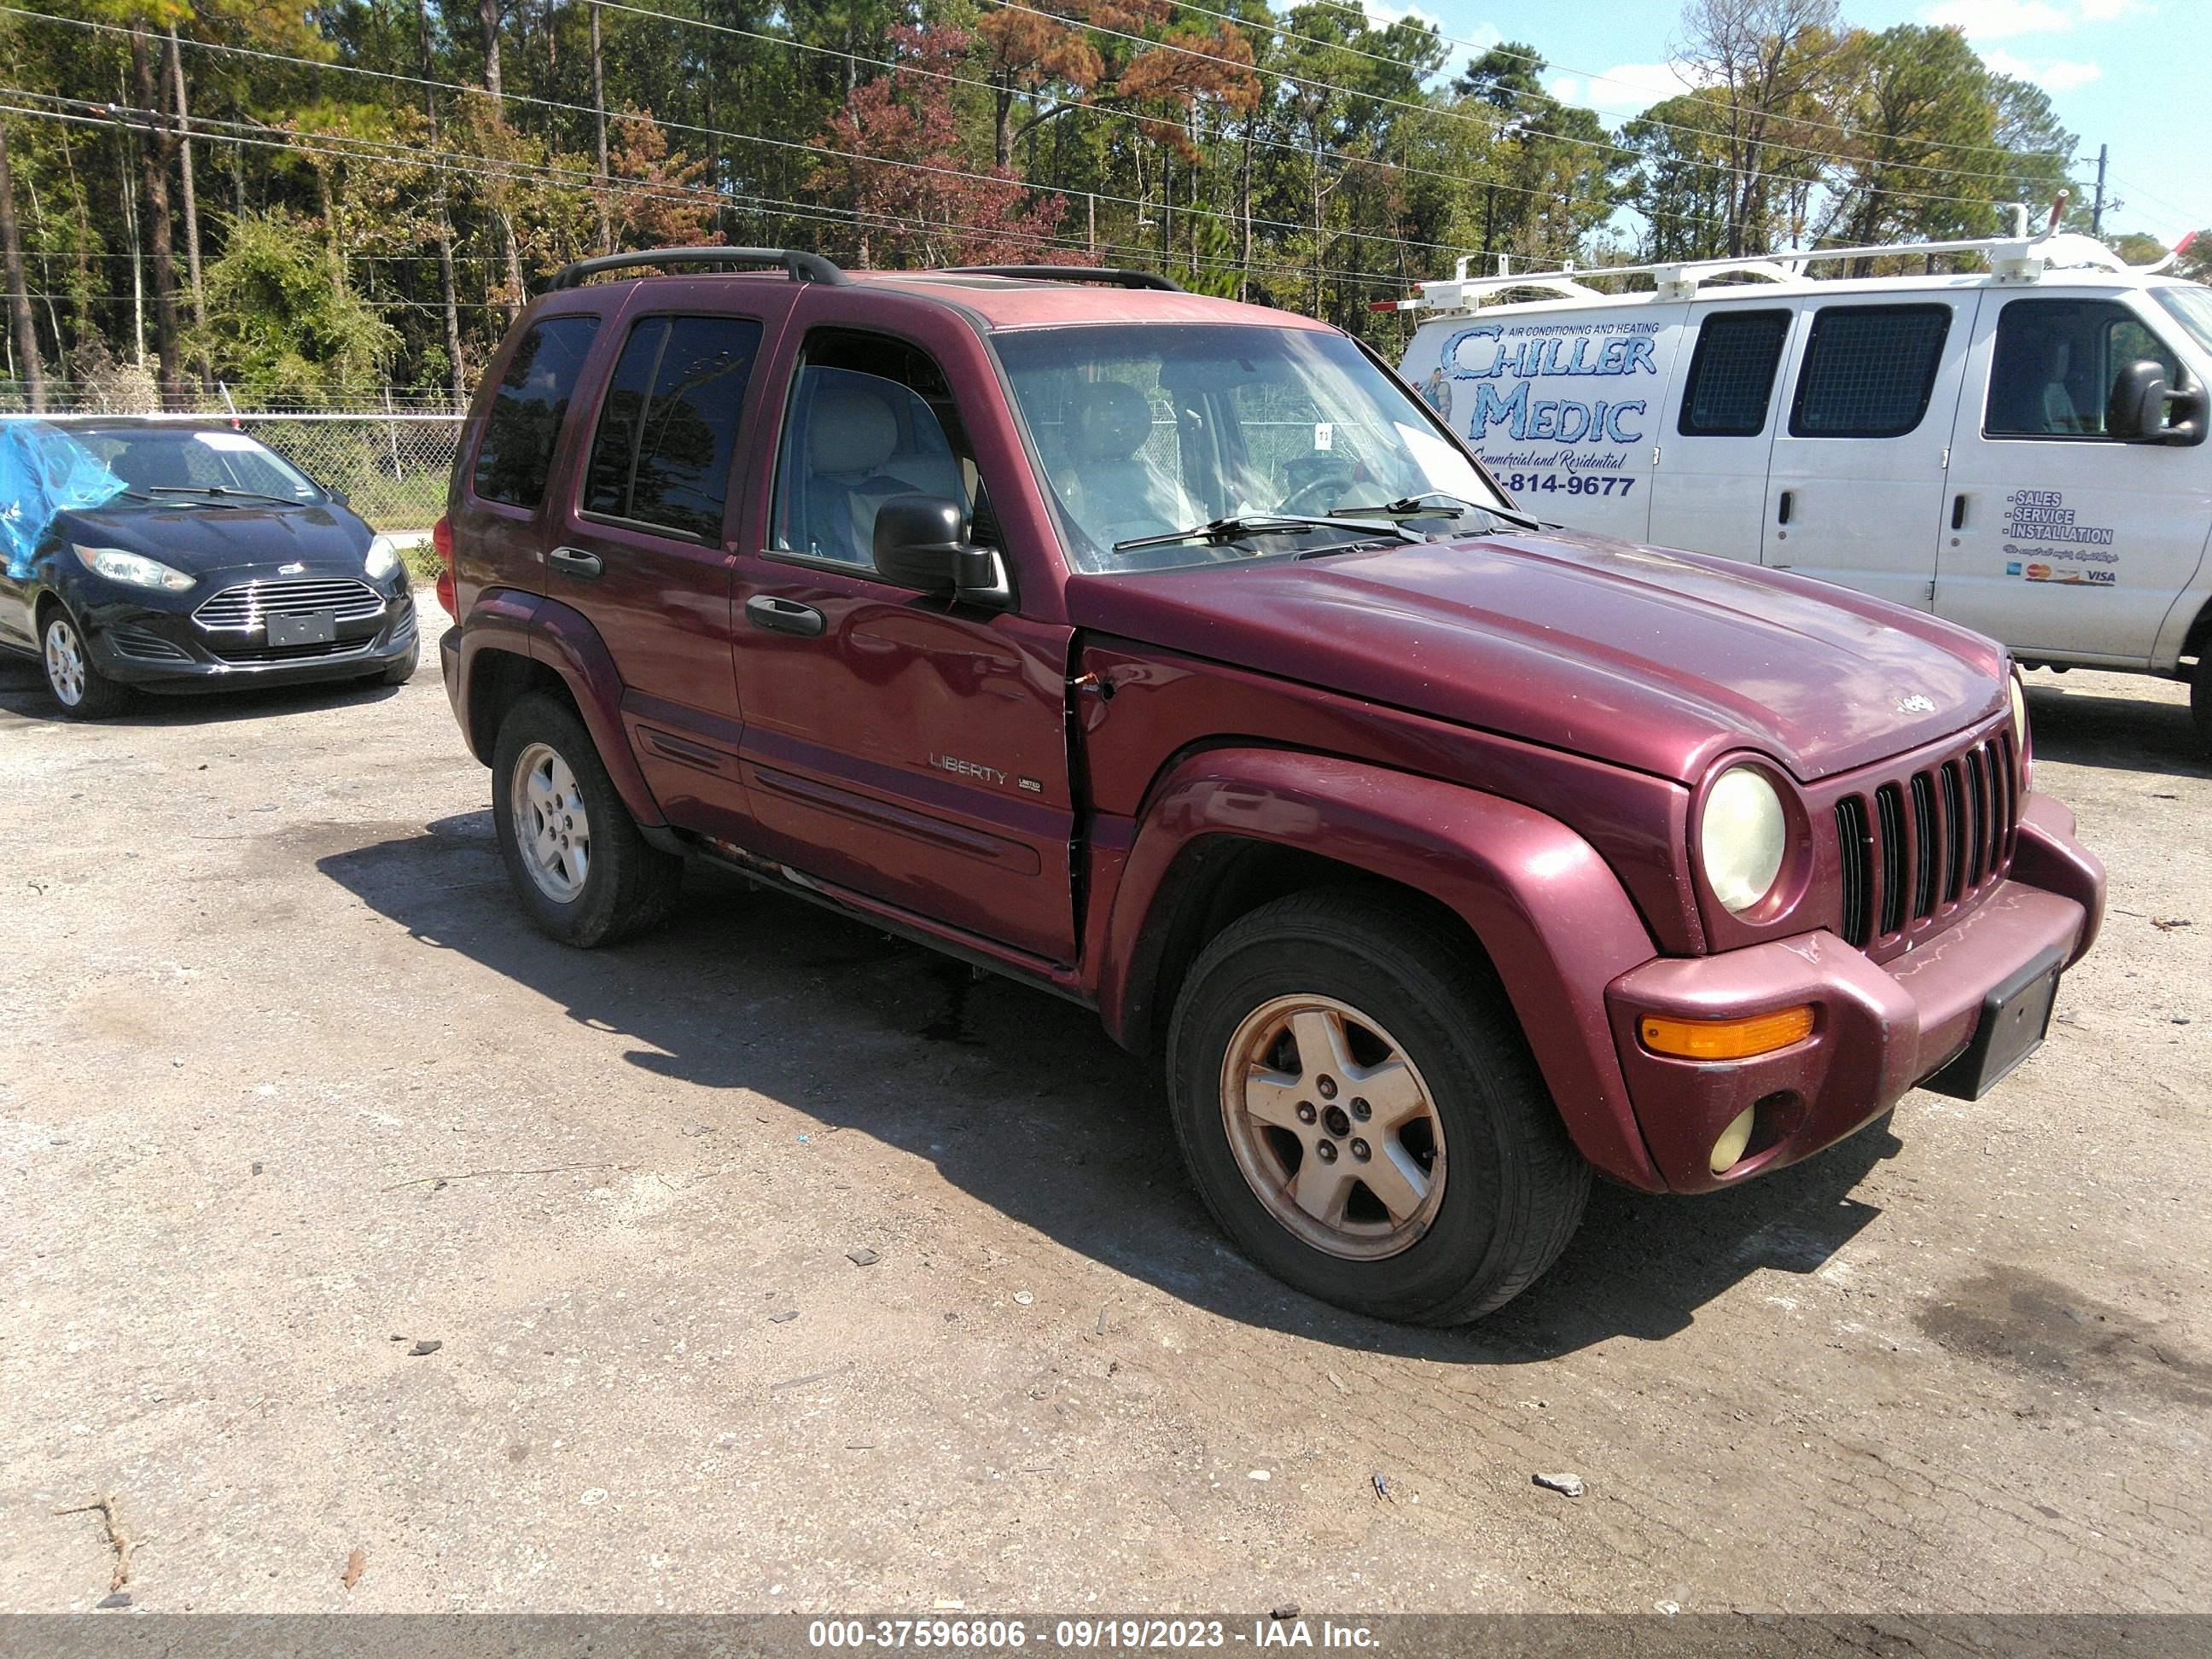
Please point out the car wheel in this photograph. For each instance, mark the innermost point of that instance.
(1362, 1113)
(583, 872)
(403, 670)
(2200, 701)
(73, 678)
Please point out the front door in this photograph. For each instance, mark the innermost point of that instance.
(909, 747)
(1708, 490)
(1854, 486)
(2061, 539)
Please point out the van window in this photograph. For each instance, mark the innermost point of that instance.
(661, 456)
(516, 451)
(870, 417)
(1869, 370)
(2051, 374)
(1732, 374)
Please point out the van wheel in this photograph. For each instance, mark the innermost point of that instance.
(1361, 1112)
(573, 851)
(2200, 701)
(73, 678)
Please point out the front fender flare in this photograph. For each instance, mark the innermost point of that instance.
(1552, 917)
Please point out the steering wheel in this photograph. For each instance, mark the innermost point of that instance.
(1314, 500)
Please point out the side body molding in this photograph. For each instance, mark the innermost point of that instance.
(1544, 904)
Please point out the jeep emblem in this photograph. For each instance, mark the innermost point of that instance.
(1916, 704)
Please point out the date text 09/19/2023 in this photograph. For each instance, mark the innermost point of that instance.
(1003, 1635)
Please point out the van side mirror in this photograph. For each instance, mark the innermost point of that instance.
(2145, 410)
(922, 542)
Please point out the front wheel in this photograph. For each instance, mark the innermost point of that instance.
(2200, 701)
(1362, 1114)
(572, 852)
(72, 677)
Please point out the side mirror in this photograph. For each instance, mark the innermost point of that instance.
(921, 542)
(2136, 410)
(338, 497)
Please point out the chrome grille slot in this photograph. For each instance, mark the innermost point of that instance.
(248, 606)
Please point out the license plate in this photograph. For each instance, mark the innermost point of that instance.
(316, 628)
(2015, 1016)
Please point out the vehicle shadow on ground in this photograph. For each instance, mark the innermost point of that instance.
(2120, 733)
(23, 691)
(1022, 1101)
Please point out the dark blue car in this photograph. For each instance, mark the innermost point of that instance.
(215, 564)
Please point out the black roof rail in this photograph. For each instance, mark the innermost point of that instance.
(801, 267)
(1075, 274)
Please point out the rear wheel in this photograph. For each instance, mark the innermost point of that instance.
(2200, 701)
(1362, 1114)
(73, 678)
(572, 852)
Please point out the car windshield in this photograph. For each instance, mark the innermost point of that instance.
(176, 463)
(2191, 306)
(1147, 430)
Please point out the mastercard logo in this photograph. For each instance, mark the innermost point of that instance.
(2038, 572)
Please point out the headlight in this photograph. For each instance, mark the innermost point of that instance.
(2019, 715)
(383, 558)
(120, 564)
(1742, 837)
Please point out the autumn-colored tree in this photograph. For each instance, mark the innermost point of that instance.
(658, 198)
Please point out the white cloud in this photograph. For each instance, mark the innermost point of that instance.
(2056, 74)
(1998, 19)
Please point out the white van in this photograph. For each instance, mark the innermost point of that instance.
(2021, 450)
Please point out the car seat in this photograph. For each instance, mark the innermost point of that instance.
(1116, 492)
(852, 434)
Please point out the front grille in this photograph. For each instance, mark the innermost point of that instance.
(143, 646)
(1912, 847)
(247, 606)
(244, 654)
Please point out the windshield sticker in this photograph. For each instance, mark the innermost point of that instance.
(2045, 542)
(1324, 434)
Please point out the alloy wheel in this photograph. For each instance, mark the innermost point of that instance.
(65, 667)
(550, 825)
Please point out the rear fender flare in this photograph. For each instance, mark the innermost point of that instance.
(1544, 905)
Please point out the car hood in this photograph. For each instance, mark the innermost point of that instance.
(245, 541)
(1658, 660)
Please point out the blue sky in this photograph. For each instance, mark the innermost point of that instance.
(2126, 73)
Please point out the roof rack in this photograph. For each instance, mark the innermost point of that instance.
(1075, 274)
(799, 267)
(2019, 257)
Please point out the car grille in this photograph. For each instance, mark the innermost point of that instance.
(246, 654)
(247, 606)
(1916, 848)
(138, 644)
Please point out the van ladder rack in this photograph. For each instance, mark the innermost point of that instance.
(799, 267)
(1075, 274)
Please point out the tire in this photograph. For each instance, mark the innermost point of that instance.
(1395, 985)
(73, 679)
(403, 671)
(591, 879)
(2200, 701)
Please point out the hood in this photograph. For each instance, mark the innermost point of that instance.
(1656, 660)
(246, 540)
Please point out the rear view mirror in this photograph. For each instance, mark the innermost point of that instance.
(921, 542)
(2145, 410)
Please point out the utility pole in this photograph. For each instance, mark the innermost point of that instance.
(2097, 212)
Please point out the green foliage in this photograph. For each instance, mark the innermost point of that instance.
(280, 329)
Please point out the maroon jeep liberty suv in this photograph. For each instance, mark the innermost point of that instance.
(1169, 655)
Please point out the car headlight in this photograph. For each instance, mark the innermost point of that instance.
(383, 558)
(120, 564)
(1742, 837)
(2019, 715)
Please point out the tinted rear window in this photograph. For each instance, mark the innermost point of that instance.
(516, 451)
(662, 453)
(1868, 370)
(1732, 375)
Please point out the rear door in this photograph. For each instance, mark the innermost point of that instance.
(909, 747)
(1855, 487)
(2061, 539)
(523, 434)
(1709, 489)
(642, 549)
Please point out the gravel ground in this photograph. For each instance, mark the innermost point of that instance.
(289, 1092)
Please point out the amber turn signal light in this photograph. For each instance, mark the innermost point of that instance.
(1726, 1039)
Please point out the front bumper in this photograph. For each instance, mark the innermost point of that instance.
(165, 650)
(1879, 1029)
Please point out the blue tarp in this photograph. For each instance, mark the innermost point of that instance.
(44, 471)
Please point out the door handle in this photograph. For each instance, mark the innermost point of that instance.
(574, 562)
(1782, 511)
(783, 616)
(1958, 512)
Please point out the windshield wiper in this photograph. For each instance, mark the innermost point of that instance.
(222, 490)
(1220, 532)
(1433, 503)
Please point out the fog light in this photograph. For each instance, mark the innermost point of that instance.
(1733, 1138)
(1726, 1039)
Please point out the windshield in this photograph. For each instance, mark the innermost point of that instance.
(2192, 307)
(1147, 430)
(177, 462)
